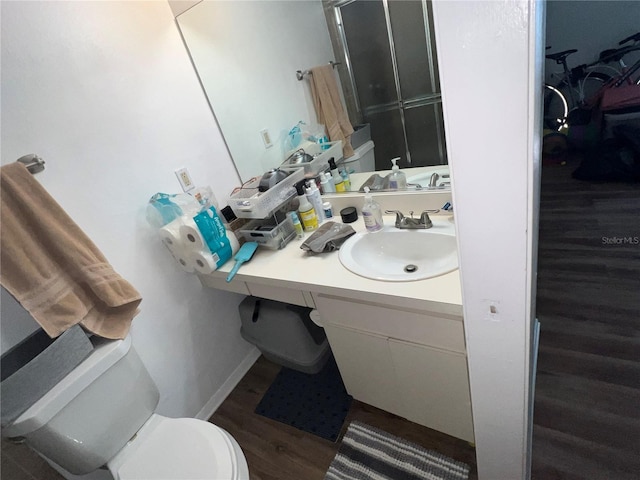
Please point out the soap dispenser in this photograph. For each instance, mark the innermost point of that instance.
(371, 212)
(397, 179)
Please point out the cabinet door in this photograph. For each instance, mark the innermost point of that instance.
(435, 388)
(365, 364)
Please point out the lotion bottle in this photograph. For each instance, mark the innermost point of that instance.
(371, 212)
(397, 179)
(296, 224)
(306, 210)
(324, 184)
(331, 186)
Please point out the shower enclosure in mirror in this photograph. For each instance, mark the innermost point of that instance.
(392, 76)
(246, 55)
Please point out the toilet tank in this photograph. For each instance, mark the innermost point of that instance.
(93, 412)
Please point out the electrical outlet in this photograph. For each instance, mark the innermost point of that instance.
(266, 138)
(185, 179)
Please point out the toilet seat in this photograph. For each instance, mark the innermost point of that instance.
(180, 449)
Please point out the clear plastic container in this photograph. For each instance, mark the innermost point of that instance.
(269, 233)
(319, 162)
(248, 202)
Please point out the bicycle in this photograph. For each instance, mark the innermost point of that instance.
(581, 87)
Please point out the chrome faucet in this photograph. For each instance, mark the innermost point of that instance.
(410, 222)
(433, 181)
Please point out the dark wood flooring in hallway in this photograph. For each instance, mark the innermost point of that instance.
(587, 406)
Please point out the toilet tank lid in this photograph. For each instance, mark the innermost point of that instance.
(105, 354)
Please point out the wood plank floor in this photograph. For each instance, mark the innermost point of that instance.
(587, 405)
(275, 451)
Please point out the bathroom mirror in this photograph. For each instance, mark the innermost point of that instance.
(247, 55)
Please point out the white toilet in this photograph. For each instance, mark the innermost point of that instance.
(102, 415)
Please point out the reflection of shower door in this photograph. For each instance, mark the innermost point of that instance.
(390, 53)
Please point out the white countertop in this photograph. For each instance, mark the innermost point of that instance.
(294, 268)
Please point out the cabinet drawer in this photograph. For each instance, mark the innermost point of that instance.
(409, 325)
(221, 284)
(287, 295)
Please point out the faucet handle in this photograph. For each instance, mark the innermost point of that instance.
(424, 218)
(399, 215)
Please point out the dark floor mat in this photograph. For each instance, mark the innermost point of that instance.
(316, 404)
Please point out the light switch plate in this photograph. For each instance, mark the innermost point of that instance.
(266, 138)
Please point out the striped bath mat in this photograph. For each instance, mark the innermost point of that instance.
(367, 453)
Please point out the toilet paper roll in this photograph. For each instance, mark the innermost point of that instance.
(170, 235)
(233, 241)
(185, 260)
(191, 237)
(204, 262)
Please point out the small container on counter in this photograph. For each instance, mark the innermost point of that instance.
(349, 214)
(328, 209)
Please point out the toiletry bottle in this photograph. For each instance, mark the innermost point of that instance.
(337, 179)
(313, 195)
(371, 212)
(306, 210)
(397, 179)
(328, 210)
(331, 185)
(345, 178)
(296, 224)
(324, 184)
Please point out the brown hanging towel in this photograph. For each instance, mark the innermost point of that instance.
(52, 268)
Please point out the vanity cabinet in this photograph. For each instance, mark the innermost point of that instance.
(407, 362)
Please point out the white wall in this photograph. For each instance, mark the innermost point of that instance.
(247, 55)
(589, 26)
(493, 128)
(105, 93)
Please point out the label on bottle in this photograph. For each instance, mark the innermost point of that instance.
(370, 221)
(340, 187)
(393, 184)
(309, 220)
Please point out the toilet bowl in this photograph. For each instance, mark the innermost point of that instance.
(102, 415)
(180, 448)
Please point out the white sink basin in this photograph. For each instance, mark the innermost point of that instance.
(395, 255)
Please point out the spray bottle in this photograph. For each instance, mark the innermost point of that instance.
(306, 210)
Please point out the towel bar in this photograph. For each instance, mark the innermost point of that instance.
(33, 162)
(300, 74)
